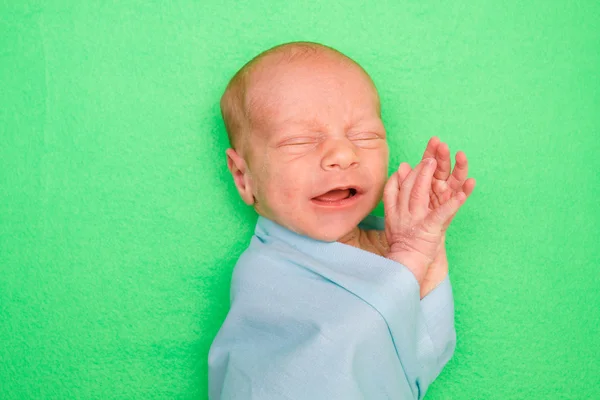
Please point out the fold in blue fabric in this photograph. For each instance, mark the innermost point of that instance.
(323, 320)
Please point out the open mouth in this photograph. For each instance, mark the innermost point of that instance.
(336, 195)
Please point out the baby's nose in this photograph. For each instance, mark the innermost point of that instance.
(340, 154)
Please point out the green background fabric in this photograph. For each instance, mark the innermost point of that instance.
(120, 225)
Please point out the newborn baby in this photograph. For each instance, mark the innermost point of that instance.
(329, 302)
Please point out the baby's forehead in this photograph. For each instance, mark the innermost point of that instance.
(276, 68)
(276, 84)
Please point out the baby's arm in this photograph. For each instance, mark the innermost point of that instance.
(415, 234)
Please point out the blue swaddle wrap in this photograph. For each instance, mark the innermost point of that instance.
(324, 320)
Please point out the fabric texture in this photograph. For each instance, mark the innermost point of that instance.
(324, 320)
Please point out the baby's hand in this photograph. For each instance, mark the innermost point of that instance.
(445, 183)
(414, 231)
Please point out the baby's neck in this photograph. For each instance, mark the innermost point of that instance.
(369, 240)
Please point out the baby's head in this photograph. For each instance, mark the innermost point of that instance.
(309, 148)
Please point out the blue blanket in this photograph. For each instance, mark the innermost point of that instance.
(319, 320)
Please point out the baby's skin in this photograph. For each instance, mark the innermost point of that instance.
(444, 184)
(309, 152)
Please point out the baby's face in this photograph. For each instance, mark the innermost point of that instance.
(318, 147)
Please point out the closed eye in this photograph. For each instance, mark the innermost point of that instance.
(298, 142)
(298, 145)
(364, 136)
(367, 140)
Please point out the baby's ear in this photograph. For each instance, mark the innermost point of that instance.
(241, 176)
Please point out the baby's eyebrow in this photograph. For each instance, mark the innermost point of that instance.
(311, 122)
(314, 124)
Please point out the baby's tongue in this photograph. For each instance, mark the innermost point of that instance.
(334, 195)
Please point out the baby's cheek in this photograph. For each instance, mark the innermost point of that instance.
(286, 186)
(290, 193)
(277, 195)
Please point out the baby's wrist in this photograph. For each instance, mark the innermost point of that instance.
(414, 262)
(431, 282)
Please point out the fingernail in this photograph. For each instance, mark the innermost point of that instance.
(428, 161)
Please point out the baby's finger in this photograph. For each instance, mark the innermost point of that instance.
(431, 148)
(419, 195)
(469, 186)
(467, 189)
(444, 164)
(403, 172)
(460, 172)
(407, 186)
(439, 218)
(390, 196)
